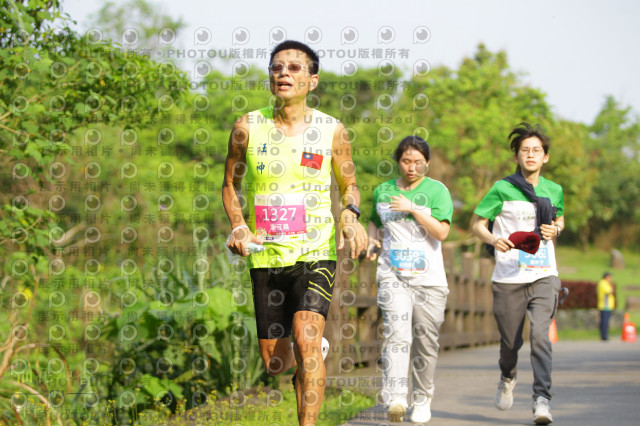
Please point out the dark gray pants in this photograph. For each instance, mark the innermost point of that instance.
(538, 300)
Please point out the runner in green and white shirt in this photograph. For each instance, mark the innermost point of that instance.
(524, 284)
(411, 216)
(511, 212)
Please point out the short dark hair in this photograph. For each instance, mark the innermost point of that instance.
(525, 131)
(313, 62)
(606, 274)
(415, 142)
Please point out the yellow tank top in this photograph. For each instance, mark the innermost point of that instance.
(288, 185)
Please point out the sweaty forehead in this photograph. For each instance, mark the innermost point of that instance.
(291, 55)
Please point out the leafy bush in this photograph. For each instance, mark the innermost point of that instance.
(582, 294)
(161, 340)
(176, 341)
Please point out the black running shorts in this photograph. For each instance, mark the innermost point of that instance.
(279, 293)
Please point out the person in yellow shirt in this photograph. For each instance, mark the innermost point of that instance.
(285, 154)
(606, 303)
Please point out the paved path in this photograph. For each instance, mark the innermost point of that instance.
(594, 383)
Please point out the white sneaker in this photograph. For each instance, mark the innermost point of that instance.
(421, 411)
(541, 413)
(396, 411)
(324, 348)
(504, 394)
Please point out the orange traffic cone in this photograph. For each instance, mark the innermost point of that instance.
(628, 330)
(553, 332)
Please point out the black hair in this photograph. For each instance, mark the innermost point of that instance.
(526, 131)
(313, 60)
(415, 142)
(606, 274)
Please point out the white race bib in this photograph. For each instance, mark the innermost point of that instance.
(538, 262)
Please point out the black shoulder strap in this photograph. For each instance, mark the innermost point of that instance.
(546, 213)
(490, 249)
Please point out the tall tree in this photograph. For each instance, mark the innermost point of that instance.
(569, 165)
(138, 24)
(615, 154)
(52, 83)
(471, 111)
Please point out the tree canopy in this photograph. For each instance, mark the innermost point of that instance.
(111, 160)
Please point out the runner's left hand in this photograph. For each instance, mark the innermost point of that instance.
(400, 203)
(352, 231)
(548, 231)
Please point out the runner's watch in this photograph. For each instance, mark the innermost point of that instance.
(353, 208)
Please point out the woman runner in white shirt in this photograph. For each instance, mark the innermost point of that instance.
(411, 216)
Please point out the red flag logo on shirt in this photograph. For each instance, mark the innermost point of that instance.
(311, 160)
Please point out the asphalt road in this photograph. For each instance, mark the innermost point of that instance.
(594, 383)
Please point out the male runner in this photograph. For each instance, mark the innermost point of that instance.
(286, 153)
(522, 282)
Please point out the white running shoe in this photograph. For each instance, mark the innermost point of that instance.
(504, 394)
(324, 348)
(421, 411)
(396, 411)
(541, 413)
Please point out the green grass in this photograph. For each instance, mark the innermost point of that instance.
(577, 264)
(590, 334)
(263, 406)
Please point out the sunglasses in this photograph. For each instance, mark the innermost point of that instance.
(293, 67)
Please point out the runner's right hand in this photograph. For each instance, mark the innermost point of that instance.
(239, 239)
(371, 248)
(503, 244)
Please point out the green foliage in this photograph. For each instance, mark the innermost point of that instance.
(175, 342)
(79, 114)
(161, 339)
(474, 108)
(615, 146)
(266, 406)
(53, 82)
(569, 166)
(589, 264)
(144, 18)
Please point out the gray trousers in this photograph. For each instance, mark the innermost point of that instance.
(412, 316)
(538, 300)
